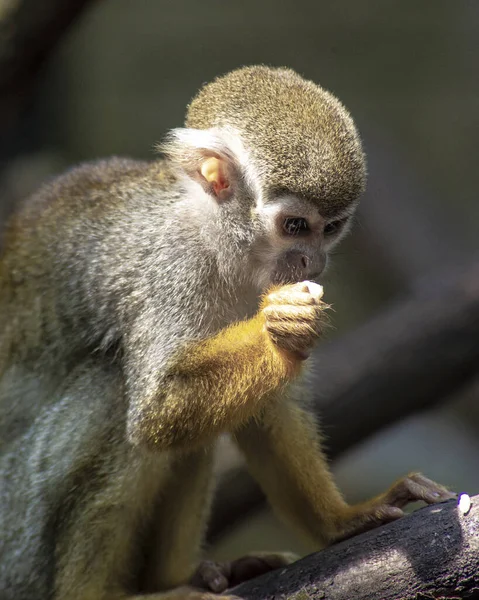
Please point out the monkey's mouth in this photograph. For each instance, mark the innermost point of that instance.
(283, 278)
(294, 275)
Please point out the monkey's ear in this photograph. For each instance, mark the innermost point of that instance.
(207, 156)
(214, 172)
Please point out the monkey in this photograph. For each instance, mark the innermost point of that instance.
(148, 307)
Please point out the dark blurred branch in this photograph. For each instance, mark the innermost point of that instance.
(429, 554)
(29, 32)
(407, 358)
(410, 357)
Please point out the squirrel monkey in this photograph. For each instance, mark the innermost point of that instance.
(148, 307)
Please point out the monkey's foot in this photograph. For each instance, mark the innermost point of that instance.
(219, 576)
(387, 507)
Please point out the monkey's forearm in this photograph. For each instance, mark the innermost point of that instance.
(213, 386)
(284, 453)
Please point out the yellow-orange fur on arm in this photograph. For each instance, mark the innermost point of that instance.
(284, 454)
(214, 386)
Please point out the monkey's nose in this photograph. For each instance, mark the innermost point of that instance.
(297, 260)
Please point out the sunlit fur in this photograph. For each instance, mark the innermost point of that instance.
(235, 370)
(135, 329)
(321, 161)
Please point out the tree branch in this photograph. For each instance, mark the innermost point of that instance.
(410, 357)
(432, 553)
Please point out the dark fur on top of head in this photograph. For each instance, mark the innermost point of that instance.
(302, 139)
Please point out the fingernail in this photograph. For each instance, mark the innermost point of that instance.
(218, 584)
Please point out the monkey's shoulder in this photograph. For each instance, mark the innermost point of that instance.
(92, 188)
(113, 177)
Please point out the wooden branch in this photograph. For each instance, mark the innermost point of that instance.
(432, 553)
(29, 31)
(408, 358)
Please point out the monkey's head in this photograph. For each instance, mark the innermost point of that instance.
(279, 156)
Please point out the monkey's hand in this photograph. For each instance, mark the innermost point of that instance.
(388, 506)
(293, 317)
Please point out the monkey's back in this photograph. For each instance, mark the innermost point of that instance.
(39, 244)
(62, 401)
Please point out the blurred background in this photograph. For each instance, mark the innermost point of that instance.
(123, 74)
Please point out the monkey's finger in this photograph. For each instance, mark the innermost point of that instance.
(218, 584)
(295, 298)
(253, 565)
(209, 575)
(303, 332)
(419, 492)
(300, 347)
(432, 485)
(386, 513)
(417, 487)
(315, 290)
(302, 286)
(287, 312)
(429, 494)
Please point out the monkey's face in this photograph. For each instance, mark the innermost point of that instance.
(271, 237)
(296, 239)
(282, 163)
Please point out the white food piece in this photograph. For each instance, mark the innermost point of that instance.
(464, 503)
(315, 289)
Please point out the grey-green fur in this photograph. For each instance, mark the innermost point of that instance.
(108, 272)
(321, 161)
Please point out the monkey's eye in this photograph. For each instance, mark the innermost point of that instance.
(295, 225)
(334, 227)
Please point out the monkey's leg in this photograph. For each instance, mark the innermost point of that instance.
(284, 454)
(178, 522)
(103, 533)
